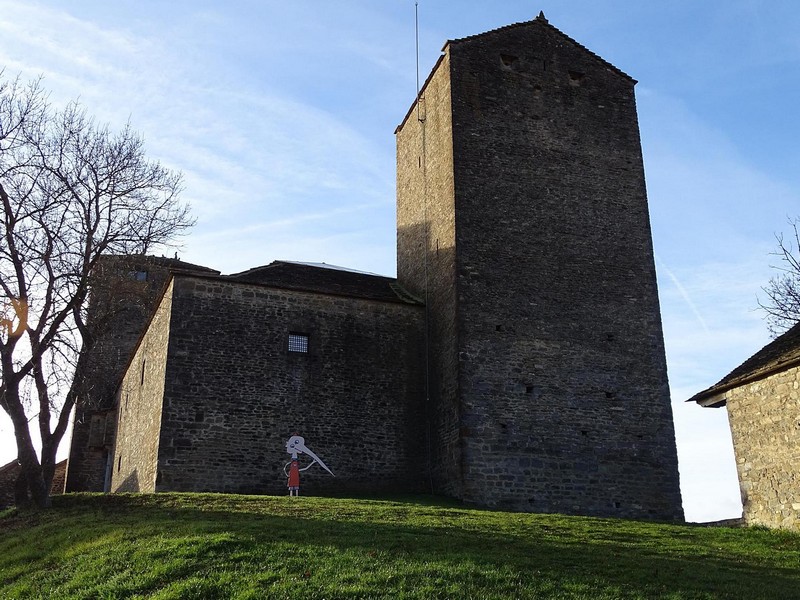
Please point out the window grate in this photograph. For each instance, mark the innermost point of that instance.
(298, 342)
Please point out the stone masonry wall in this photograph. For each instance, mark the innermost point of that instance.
(234, 393)
(765, 426)
(541, 281)
(139, 406)
(563, 377)
(8, 479)
(125, 307)
(426, 260)
(124, 293)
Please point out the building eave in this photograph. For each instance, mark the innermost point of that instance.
(714, 397)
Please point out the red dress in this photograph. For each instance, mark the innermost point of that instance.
(294, 475)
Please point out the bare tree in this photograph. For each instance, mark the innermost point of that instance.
(72, 191)
(782, 303)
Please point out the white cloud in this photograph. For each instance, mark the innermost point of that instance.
(248, 156)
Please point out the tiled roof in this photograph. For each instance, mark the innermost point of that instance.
(174, 264)
(780, 354)
(326, 279)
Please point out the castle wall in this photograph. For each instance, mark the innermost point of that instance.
(562, 369)
(522, 212)
(139, 406)
(124, 292)
(426, 261)
(533, 379)
(117, 328)
(765, 425)
(234, 393)
(87, 462)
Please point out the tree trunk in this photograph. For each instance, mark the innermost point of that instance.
(31, 469)
(39, 489)
(48, 466)
(22, 498)
(34, 475)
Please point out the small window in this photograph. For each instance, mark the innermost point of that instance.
(298, 342)
(509, 61)
(575, 78)
(139, 275)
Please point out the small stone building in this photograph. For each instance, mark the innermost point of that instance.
(762, 396)
(516, 362)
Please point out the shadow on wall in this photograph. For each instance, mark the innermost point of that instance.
(130, 483)
(426, 258)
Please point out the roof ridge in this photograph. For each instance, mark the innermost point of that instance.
(542, 20)
(253, 269)
(322, 265)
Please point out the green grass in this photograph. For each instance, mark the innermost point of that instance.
(208, 546)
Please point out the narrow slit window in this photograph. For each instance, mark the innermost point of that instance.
(298, 342)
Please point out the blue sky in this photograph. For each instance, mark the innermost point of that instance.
(281, 116)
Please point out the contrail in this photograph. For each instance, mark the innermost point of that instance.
(684, 294)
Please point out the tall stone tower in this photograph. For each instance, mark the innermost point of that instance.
(125, 291)
(523, 223)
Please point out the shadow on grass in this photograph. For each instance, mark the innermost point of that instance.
(492, 554)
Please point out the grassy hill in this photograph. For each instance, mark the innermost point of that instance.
(209, 546)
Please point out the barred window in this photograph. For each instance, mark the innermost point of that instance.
(298, 342)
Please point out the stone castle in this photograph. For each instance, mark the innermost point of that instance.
(516, 361)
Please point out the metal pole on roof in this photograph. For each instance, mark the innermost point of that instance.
(416, 39)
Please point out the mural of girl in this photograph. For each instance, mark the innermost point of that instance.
(295, 445)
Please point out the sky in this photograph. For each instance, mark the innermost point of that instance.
(281, 116)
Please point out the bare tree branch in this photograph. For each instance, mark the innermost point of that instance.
(782, 301)
(72, 192)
